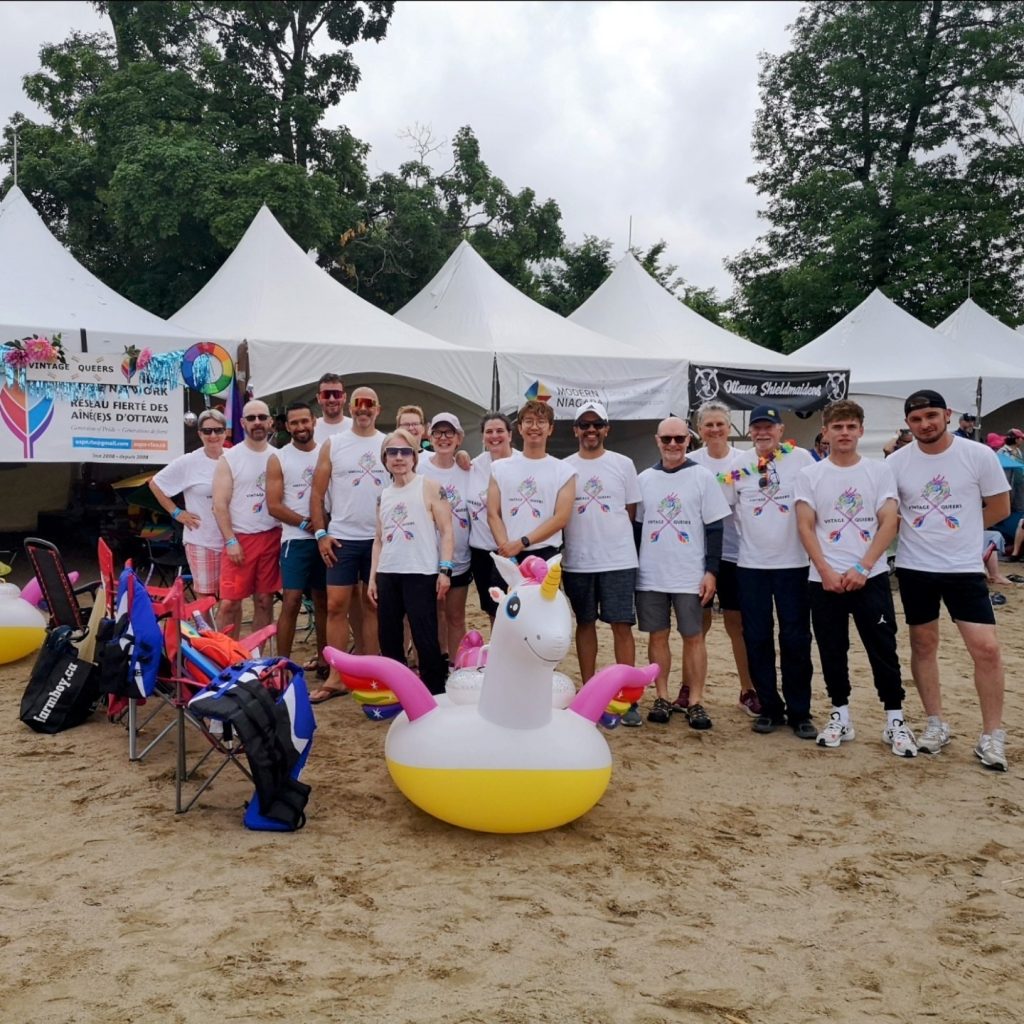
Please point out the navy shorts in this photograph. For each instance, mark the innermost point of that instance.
(965, 595)
(302, 565)
(352, 565)
(607, 596)
(654, 610)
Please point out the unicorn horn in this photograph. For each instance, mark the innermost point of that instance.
(549, 587)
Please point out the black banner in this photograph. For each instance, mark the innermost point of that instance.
(805, 391)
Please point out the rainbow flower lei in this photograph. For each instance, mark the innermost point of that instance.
(763, 463)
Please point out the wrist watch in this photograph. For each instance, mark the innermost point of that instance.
(445, 571)
(525, 541)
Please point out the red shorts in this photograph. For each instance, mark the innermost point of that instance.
(260, 573)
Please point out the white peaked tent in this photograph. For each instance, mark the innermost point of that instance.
(891, 353)
(45, 290)
(633, 307)
(974, 330)
(468, 303)
(301, 323)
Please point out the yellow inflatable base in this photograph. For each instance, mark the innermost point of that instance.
(17, 642)
(502, 800)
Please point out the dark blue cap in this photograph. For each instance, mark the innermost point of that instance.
(772, 413)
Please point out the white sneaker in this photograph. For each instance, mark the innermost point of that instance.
(934, 737)
(991, 751)
(899, 736)
(835, 732)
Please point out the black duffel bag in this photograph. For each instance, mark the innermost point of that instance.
(62, 691)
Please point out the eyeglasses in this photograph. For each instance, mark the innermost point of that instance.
(256, 418)
(395, 453)
(442, 432)
(332, 394)
(592, 425)
(531, 422)
(364, 403)
(673, 438)
(210, 431)
(410, 426)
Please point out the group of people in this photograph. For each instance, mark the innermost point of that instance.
(386, 532)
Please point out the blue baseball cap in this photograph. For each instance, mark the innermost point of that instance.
(772, 413)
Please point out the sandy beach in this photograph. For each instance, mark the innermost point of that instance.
(724, 877)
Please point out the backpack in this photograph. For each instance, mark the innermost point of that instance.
(62, 690)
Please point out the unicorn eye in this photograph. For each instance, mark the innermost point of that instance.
(513, 606)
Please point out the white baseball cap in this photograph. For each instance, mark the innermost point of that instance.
(447, 417)
(596, 408)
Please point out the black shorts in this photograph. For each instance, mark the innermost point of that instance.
(727, 587)
(965, 595)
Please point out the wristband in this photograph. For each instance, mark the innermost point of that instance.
(860, 568)
(320, 534)
(177, 513)
(525, 541)
(304, 525)
(228, 543)
(446, 565)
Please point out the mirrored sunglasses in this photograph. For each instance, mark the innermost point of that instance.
(332, 394)
(363, 403)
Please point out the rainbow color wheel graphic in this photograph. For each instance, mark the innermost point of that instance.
(25, 417)
(207, 368)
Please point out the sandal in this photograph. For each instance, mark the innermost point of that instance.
(697, 717)
(326, 693)
(1015, 578)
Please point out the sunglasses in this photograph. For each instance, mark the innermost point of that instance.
(396, 453)
(673, 438)
(592, 425)
(364, 403)
(210, 431)
(332, 394)
(442, 432)
(256, 418)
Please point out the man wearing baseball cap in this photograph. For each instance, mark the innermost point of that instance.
(771, 573)
(950, 490)
(968, 427)
(599, 564)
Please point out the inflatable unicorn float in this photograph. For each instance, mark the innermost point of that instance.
(509, 762)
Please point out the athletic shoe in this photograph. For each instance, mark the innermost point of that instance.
(682, 702)
(934, 737)
(835, 732)
(661, 712)
(900, 738)
(749, 703)
(697, 717)
(804, 729)
(991, 751)
(765, 723)
(632, 717)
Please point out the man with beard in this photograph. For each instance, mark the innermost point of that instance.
(330, 396)
(349, 472)
(289, 493)
(950, 491)
(252, 537)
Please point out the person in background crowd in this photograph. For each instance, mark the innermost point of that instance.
(330, 396)
(901, 440)
(820, 448)
(968, 427)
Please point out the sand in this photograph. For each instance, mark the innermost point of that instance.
(724, 877)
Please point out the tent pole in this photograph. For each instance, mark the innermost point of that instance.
(495, 386)
(977, 399)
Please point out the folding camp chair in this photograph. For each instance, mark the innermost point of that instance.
(60, 595)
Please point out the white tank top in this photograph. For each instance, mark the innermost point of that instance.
(248, 507)
(297, 469)
(408, 535)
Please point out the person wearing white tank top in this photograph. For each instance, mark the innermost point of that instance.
(289, 490)
(412, 565)
(252, 537)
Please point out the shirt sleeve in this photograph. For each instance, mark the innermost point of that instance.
(173, 478)
(803, 489)
(990, 476)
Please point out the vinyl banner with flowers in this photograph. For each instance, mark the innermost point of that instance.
(57, 406)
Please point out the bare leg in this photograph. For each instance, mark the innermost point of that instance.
(660, 654)
(623, 644)
(371, 641)
(586, 648)
(263, 611)
(695, 666)
(355, 624)
(338, 601)
(982, 643)
(230, 615)
(286, 620)
(924, 665)
(734, 628)
(319, 598)
(452, 615)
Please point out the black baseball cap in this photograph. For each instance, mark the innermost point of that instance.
(968, 416)
(924, 399)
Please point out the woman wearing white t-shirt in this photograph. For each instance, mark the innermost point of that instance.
(721, 458)
(191, 476)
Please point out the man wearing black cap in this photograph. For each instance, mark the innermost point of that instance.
(772, 572)
(968, 427)
(950, 491)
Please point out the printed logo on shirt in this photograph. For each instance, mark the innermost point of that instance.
(592, 495)
(304, 483)
(850, 506)
(477, 506)
(934, 500)
(450, 493)
(526, 498)
(398, 524)
(769, 493)
(368, 466)
(259, 492)
(668, 518)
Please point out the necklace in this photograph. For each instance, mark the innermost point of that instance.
(763, 462)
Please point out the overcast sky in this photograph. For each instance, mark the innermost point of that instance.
(612, 109)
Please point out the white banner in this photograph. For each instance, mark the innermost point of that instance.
(92, 410)
(638, 398)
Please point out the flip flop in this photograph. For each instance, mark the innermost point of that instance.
(330, 694)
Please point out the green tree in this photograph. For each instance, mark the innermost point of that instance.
(887, 161)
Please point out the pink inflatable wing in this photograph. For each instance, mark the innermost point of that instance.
(471, 652)
(32, 592)
(414, 697)
(592, 700)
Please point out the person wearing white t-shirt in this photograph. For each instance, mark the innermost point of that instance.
(330, 396)
(680, 512)
(349, 476)
(599, 565)
(846, 511)
(191, 476)
(529, 500)
(950, 490)
(252, 537)
(772, 572)
(289, 494)
(714, 425)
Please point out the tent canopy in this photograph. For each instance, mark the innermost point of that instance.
(300, 323)
(972, 329)
(890, 353)
(634, 308)
(44, 289)
(468, 303)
